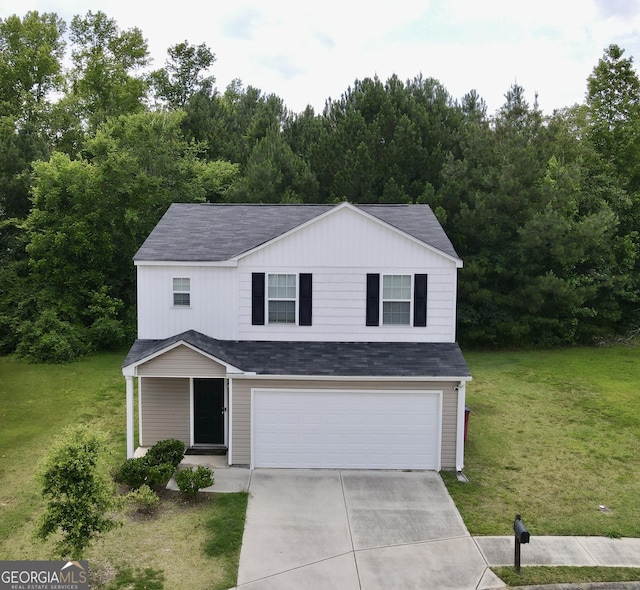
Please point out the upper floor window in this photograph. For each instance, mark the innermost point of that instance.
(181, 291)
(400, 299)
(281, 296)
(275, 298)
(396, 299)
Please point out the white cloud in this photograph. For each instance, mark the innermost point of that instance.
(621, 8)
(308, 52)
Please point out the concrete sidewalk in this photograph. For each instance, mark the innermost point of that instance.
(571, 551)
(226, 479)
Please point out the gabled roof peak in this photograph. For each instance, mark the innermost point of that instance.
(212, 232)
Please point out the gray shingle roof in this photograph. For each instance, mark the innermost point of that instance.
(216, 232)
(341, 359)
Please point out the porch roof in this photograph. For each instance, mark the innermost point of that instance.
(339, 359)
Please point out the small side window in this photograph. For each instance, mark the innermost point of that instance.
(181, 292)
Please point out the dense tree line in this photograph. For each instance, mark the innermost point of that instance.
(542, 208)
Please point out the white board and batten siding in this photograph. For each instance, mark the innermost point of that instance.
(213, 310)
(339, 250)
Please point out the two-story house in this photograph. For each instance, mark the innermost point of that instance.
(300, 336)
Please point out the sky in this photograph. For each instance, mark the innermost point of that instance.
(308, 52)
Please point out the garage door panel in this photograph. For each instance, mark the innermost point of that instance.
(346, 429)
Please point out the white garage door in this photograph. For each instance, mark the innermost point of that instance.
(346, 429)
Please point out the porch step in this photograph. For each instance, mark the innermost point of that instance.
(207, 450)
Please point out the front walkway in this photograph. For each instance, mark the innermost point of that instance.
(225, 479)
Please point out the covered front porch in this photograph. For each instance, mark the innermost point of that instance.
(190, 409)
(179, 393)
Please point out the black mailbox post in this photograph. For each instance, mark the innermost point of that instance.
(522, 536)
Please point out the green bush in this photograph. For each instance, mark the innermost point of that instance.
(139, 471)
(143, 499)
(132, 473)
(107, 331)
(78, 495)
(51, 340)
(159, 475)
(170, 451)
(155, 468)
(107, 334)
(190, 481)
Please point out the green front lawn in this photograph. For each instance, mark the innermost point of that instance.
(185, 545)
(553, 436)
(534, 576)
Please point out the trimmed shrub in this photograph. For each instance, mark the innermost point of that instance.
(170, 451)
(190, 481)
(132, 473)
(138, 472)
(155, 468)
(159, 475)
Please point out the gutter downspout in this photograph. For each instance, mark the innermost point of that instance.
(460, 426)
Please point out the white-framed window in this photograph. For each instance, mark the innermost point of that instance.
(396, 300)
(181, 291)
(281, 298)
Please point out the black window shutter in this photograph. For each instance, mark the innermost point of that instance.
(306, 299)
(257, 299)
(373, 299)
(420, 301)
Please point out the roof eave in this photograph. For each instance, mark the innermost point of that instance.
(232, 263)
(130, 370)
(386, 378)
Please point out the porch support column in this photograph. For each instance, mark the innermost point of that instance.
(460, 430)
(130, 435)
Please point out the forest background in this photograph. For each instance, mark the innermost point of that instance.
(94, 146)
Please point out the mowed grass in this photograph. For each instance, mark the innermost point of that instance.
(192, 545)
(553, 436)
(36, 403)
(538, 575)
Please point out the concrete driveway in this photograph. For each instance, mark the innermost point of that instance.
(356, 530)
